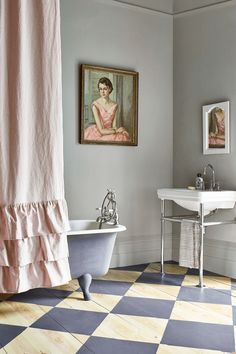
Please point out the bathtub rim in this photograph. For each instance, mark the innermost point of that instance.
(109, 228)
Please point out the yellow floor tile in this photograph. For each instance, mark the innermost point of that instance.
(121, 275)
(215, 282)
(202, 312)
(41, 341)
(99, 302)
(134, 328)
(233, 297)
(106, 301)
(154, 291)
(81, 337)
(168, 268)
(21, 314)
(73, 285)
(2, 351)
(171, 349)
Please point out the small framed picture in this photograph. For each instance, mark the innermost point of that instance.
(109, 106)
(216, 130)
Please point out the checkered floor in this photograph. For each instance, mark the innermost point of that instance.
(133, 311)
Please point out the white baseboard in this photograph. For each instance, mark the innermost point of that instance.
(219, 256)
(140, 249)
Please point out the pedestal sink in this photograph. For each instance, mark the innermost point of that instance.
(191, 199)
(199, 201)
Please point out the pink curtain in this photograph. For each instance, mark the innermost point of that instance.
(33, 211)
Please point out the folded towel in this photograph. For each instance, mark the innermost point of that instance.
(189, 247)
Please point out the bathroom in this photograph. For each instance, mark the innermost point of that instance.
(184, 61)
(181, 69)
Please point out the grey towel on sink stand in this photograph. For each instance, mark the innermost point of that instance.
(189, 245)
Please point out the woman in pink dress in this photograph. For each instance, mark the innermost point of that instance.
(104, 112)
(217, 128)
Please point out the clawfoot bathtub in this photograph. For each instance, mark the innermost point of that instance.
(90, 250)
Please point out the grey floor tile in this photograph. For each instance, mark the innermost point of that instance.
(157, 278)
(193, 271)
(41, 296)
(234, 315)
(47, 322)
(76, 321)
(99, 345)
(8, 333)
(110, 287)
(144, 307)
(207, 295)
(199, 335)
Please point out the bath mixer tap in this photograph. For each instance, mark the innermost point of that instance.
(108, 209)
(213, 180)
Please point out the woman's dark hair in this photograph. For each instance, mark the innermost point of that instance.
(107, 82)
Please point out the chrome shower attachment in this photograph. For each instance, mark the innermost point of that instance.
(108, 210)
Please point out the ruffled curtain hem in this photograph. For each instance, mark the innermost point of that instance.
(17, 253)
(25, 220)
(34, 275)
(33, 246)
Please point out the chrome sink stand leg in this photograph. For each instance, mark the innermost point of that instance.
(162, 235)
(202, 229)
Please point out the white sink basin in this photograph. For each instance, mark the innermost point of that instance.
(191, 199)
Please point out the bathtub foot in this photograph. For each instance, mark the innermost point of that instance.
(84, 282)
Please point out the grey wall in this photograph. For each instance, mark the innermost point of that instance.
(104, 33)
(204, 73)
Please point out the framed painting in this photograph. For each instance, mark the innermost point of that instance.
(108, 106)
(216, 139)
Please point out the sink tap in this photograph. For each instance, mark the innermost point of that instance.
(213, 179)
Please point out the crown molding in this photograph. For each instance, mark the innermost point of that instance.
(201, 9)
(126, 4)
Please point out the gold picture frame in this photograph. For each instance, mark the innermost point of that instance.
(108, 106)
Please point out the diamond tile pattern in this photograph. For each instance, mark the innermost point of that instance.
(134, 310)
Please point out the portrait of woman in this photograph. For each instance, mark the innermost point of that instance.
(216, 137)
(216, 128)
(105, 116)
(109, 106)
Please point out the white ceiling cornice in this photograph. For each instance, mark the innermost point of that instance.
(163, 6)
(172, 7)
(183, 6)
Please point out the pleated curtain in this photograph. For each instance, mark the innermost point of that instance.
(33, 211)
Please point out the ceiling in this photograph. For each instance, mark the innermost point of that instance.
(173, 6)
